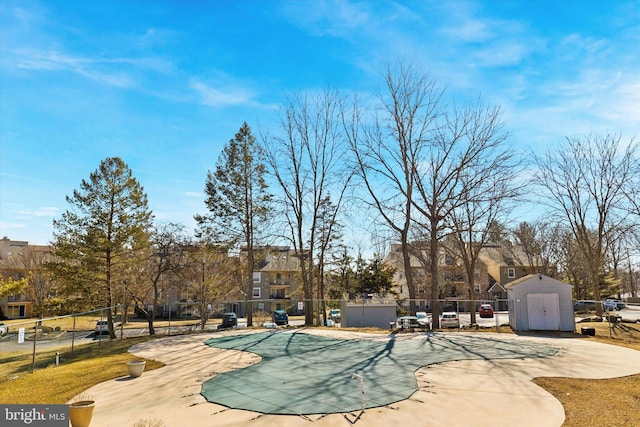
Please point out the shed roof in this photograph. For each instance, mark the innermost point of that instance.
(534, 276)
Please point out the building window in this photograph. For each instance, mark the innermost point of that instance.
(15, 311)
(511, 273)
(256, 292)
(477, 288)
(277, 293)
(256, 277)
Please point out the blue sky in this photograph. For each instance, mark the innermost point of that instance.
(165, 84)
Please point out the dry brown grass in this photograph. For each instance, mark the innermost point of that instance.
(607, 402)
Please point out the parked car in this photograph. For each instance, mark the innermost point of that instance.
(4, 329)
(449, 319)
(334, 314)
(616, 303)
(485, 311)
(584, 305)
(280, 317)
(102, 326)
(229, 320)
(423, 318)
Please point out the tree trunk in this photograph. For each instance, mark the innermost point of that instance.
(472, 296)
(408, 273)
(249, 291)
(433, 268)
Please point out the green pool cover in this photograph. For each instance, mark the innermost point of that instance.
(302, 373)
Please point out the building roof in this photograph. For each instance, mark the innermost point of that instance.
(495, 256)
(496, 285)
(419, 258)
(277, 258)
(533, 276)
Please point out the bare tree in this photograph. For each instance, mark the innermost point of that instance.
(389, 151)
(329, 232)
(620, 246)
(206, 275)
(156, 270)
(306, 160)
(585, 183)
(632, 191)
(488, 189)
(466, 142)
(539, 241)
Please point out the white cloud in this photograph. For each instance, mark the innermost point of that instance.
(220, 97)
(470, 31)
(52, 60)
(226, 93)
(611, 97)
(501, 54)
(46, 211)
(462, 22)
(100, 70)
(576, 44)
(335, 18)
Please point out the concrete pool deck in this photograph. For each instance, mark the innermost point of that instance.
(498, 391)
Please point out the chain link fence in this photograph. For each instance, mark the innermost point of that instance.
(61, 336)
(67, 332)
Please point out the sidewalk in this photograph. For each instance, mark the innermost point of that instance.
(450, 393)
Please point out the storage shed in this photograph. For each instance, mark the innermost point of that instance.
(376, 312)
(540, 303)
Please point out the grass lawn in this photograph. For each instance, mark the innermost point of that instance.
(91, 364)
(612, 402)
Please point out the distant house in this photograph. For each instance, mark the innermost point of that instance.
(504, 264)
(419, 268)
(538, 302)
(452, 281)
(276, 279)
(17, 259)
(497, 265)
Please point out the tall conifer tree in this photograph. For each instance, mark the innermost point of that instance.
(108, 219)
(237, 200)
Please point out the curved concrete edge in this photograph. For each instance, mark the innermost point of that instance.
(499, 392)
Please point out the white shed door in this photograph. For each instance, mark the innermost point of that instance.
(544, 312)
